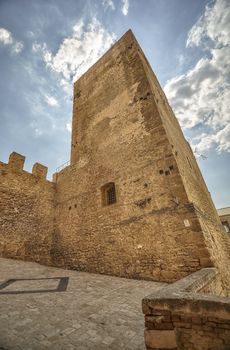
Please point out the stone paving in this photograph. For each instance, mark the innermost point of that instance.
(94, 312)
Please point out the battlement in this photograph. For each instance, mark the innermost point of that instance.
(39, 170)
(16, 163)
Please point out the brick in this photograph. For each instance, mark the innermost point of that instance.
(160, 339)
(176, 318)
(223, 326)
(182, 325)
(197, 320)
(164, 325)
(161, 312)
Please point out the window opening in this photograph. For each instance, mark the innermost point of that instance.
(108, 192)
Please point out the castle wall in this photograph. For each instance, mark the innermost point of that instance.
(26, 211)
(152, 231)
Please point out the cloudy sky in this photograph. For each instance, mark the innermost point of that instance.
(45, 45)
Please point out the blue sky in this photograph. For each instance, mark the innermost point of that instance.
(46, 45)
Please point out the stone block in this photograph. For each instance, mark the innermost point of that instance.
(160, 339)
(39, 170)
(16, 161)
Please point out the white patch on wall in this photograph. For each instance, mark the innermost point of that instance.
(186, 223)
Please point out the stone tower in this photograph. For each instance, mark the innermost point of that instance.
(132, 202)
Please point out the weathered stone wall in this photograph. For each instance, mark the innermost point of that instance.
(182, 318)
(125, 240)
(217, 240)
(118, 136)
(26, 211)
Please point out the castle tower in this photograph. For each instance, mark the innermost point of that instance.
(133, 202)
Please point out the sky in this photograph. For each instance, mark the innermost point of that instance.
(46, 45)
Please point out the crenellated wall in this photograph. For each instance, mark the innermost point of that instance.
(26, 211)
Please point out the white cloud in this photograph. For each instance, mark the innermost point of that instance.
(202, 95)
(68, 127)
(6, 38)
(223, 139)
(38, 132)
(30, 34)
(108, 4)
(205, 141)
(213, 25)
(17, 47)
(51, 101)
(77, 52)
(66, 86)
(78, 29)
(125, 7)
(202, 143)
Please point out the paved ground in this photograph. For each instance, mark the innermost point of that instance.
(95, 312)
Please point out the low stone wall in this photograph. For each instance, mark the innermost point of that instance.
(183, 317)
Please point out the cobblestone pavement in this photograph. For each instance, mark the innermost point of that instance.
(96, 312)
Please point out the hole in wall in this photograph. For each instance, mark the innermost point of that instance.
(78, 94)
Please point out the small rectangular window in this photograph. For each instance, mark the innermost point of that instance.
(108, 193)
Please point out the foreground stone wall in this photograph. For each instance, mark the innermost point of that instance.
(182, 317)
(26, 211)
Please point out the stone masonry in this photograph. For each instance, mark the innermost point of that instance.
(26, 211)
(132, 202)
(190, 314)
